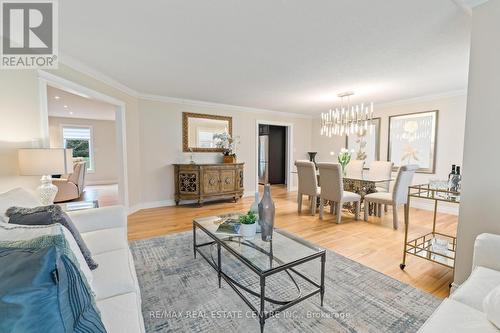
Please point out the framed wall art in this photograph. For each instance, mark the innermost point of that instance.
(412, 140)
(366, 144)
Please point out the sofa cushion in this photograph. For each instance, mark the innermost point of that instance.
(122, 313)
(455, 317)
(491, 306)
(473, 291)
(115, 274)
(45, 215)
(17, 197)
(106, 240)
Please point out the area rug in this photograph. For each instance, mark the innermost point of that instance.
(181, 294)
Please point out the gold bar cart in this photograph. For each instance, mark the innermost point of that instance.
(434, 246)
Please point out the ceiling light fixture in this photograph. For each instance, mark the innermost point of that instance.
(65, 106)
(345, 118)
(57, 97)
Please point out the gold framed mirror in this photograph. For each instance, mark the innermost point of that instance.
(198, 130)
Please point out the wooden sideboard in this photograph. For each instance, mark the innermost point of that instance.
(205, 181)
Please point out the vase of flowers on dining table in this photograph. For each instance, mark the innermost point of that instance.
(344, 158)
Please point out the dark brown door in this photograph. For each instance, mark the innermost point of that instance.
(277, 154)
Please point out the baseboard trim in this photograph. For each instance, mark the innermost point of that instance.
(101, 182)
(454, 287)
(171, 202)
(416, 203)
(151, 204)
(443, 207)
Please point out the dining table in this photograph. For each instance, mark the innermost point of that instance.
(362, 185)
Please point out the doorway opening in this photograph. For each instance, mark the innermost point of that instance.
(93, 125)
(88, 127)
(274, 153)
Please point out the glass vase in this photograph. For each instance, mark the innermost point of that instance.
(266, 214)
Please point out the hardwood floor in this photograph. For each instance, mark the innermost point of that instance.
(106, 195)
(374, 243)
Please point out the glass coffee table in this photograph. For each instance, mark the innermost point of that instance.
(283, 254)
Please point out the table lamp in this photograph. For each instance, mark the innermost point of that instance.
(45, 162)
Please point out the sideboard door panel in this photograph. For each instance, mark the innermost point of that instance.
(211, 182)
(228, 178)
(189, 182)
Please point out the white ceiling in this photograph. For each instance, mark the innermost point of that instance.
(284, 55)
(67, 105)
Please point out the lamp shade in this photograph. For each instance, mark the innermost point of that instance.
(45, 161)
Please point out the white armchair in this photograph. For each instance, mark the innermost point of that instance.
(463, 311)
(487, 252)
(71, 186)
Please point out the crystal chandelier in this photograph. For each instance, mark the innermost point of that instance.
(346, 119)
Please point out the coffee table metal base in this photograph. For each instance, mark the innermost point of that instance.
(236, 286)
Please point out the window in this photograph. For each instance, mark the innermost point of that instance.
(79, 138)
(205, 139)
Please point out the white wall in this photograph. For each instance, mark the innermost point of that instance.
(105, 150)
(450, 136)
(20, 125)
(480, 209)
(161, 144)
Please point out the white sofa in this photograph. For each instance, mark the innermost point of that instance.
(118, 296)
(114, 282)
(463, 310)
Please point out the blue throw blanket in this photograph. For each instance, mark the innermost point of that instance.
(41, 290)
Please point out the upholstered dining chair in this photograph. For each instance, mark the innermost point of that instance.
(354, 169)
(308, 184)
(381, 170)
(398, 196)
(332, 189)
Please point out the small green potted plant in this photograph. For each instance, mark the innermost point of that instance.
(248, 225)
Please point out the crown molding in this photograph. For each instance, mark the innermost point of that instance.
(87, 70)
(425, 98)
(474, 3)
(468, 5)
(84, 69)
(192, 102)
(99, 76)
